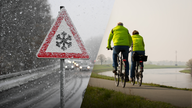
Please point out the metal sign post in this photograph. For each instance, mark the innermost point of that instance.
(62, 83)
(62, 80)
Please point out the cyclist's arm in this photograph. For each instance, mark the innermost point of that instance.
(143, 43)
(131, 44)
(130, 40)
(109, 39)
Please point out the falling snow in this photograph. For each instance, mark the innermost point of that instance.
(23, 26)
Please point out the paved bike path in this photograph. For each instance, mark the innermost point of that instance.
(179, 98)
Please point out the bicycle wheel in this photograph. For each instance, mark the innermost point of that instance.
(123, 80)
(116, 76)
(140, 78)
(116, 79)
(135, 77)
(122, 75)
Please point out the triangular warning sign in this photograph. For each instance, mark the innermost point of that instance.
(62, 40)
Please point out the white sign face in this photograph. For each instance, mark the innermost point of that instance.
(62, 41)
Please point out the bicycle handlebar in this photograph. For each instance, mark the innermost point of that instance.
(109, 48)
(112, 49)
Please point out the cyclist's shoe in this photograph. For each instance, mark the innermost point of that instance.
(131, 79)
(115, 71)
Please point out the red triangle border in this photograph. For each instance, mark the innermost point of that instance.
(42, 54)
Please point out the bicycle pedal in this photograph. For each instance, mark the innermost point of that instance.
(115, 73)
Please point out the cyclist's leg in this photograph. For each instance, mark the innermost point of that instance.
(116, 51)
(133, 64)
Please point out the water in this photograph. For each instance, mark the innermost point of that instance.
(169, 77)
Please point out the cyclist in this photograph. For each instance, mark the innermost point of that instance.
(122, 41)
(138, 46)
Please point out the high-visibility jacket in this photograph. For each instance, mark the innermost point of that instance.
(138, 43)
(120, 36)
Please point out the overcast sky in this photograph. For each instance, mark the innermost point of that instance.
(164, 24)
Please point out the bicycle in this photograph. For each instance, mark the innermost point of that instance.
(120, 74)
(138, 75)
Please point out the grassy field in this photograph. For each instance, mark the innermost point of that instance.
(102, 98)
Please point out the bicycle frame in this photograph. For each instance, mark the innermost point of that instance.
(120, 73)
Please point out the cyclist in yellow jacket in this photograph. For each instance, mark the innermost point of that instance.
(139, 47)
(122, 41)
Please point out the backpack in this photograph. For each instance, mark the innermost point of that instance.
(138, 57)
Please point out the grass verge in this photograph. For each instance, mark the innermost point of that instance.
(185, 71)
(108, 67)
(161, 66)
(102, 98)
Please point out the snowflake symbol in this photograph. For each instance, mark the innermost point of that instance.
(63, 41)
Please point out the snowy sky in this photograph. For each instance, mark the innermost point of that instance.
(164, 24)
(90, 17)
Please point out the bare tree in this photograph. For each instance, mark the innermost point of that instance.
(189, 64)
(101, 58)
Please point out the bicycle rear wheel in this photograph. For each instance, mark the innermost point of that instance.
(121, 65)
(140, 78)
(116, 76)
(123, 80)
(136, 74)
(139, 75)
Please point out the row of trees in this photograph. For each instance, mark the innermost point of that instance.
(101, 58)
(23, 26)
